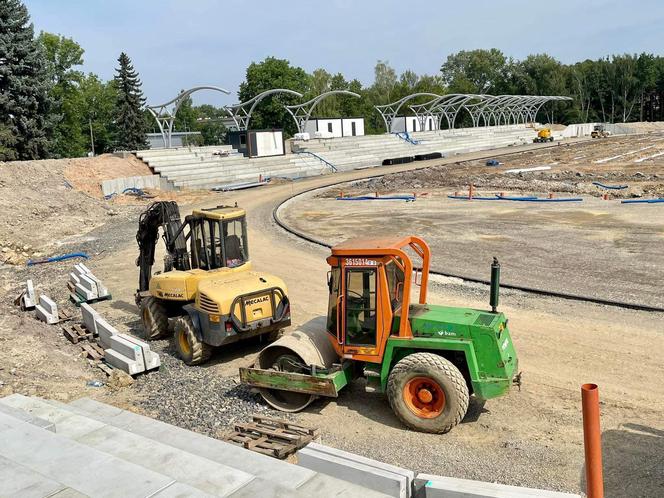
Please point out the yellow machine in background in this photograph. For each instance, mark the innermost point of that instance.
(543, 135)
(207, 282)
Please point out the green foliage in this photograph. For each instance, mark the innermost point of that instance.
(61, 56)
(25, 105)
(7, 142)
(475, 71)
(130, 125)
(266, 75)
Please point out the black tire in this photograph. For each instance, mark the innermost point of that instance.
(189, 348)
(444, 376)
(154, 318)
(273, 336)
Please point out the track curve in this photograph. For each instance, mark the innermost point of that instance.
(441, 272)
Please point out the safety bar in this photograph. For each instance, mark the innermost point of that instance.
(273, 292)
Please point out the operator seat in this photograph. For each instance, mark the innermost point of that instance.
(233, 251)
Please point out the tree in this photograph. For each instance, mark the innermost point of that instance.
(62, 55)
(97, 100)
(475, 71)
(7, 142)
(210, 124)
(185, 119)
(24, 100)
(266, 75)
(130, 122)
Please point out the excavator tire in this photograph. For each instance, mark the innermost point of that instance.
(189, 348)
(428, 393)
(154, 317)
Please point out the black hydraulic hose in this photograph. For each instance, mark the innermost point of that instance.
(466, 278)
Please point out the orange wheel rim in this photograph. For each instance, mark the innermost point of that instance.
(424, 397)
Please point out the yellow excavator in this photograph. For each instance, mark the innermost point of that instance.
(207, 284)
(543, 135)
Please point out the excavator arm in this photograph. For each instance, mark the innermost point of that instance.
(164, 214)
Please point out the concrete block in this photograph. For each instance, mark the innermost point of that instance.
(81, 269)
(362, 474)
(90, 317)
(120, 344)
(84, 293)
(451, 487)
(74, 278)
(104, 329)
(47, 310)
(150, 358)
(89, 286)
(324, 485)
(102, 291)
(29, 299)
(132, 367)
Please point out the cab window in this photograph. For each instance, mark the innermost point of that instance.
(361, 307)
(395, 280)
(235, 243)
(333, 287)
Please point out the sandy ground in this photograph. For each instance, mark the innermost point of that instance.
(532, 437)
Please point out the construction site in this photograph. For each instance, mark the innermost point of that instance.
(429, 338)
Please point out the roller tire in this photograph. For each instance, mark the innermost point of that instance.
(447, 377)
(189, 348)
(154, 318)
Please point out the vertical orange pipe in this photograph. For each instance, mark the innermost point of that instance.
(592, 441)
(470, 192)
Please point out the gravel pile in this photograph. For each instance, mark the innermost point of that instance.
(197, 398)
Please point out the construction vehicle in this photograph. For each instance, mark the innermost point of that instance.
(207, 283)
(543, 135)
(600, 131)
(428, 359)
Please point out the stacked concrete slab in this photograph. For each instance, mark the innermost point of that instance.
(432, 486)
(100, 450)
(199, 167)
(122, 351)
(46, 310)
(86, 286)
(28, 298)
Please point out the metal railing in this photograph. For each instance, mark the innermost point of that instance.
(321, 159)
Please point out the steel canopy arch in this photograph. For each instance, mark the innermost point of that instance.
(241, 116)
(302, 112)
(389, 111)
(165, 117)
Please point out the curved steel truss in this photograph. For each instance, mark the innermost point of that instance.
(241, 113)
(302, 112)
(486, 109)
(165, 113)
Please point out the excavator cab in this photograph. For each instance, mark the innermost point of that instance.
(217, 239)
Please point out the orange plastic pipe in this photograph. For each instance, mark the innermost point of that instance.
(592, 441)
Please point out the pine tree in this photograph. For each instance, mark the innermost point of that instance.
(24, 100)
(130, 126)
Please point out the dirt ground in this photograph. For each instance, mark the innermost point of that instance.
(530, 437)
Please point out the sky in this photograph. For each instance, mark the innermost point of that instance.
(178, 44)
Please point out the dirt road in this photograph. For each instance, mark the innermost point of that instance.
(532, 437)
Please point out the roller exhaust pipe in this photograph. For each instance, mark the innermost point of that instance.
(494, 295)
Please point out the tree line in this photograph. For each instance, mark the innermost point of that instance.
(50, 108)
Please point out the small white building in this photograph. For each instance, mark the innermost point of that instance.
(336, 127)
(409, 124)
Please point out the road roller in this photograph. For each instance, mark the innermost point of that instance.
(428, 359)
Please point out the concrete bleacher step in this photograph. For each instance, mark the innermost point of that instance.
(173, 461)
(48, 459)
(270, 470)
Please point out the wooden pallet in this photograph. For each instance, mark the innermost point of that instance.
(76, 333)
(93, 351)
(273, 437)
(65, 315)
